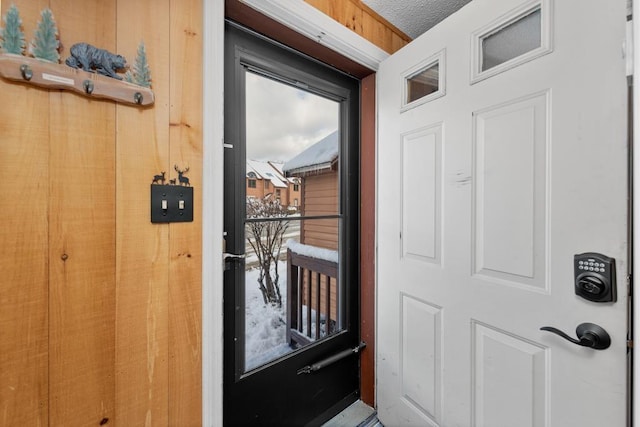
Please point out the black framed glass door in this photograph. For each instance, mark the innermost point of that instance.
(291, 210)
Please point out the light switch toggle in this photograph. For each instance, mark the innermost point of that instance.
(165, 206)
(181, 204)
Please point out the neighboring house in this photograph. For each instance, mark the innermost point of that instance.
(318, 167)
(266, 178)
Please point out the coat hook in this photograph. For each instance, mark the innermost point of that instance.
(88, 86)
(26, 71)
(138, 98)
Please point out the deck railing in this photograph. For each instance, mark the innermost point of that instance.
(312, 298)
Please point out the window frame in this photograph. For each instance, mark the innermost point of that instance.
(437, 58)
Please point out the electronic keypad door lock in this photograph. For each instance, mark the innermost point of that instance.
(595, 277)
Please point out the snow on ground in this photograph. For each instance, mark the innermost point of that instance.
(266, 325)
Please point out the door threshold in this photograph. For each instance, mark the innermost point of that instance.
(358, 414)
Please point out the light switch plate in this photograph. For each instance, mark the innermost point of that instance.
(177, 199)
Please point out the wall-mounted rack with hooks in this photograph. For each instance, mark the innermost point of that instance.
(57, 76)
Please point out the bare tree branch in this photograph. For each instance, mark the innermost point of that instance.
(266, 239)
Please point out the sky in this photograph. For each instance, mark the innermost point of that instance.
(283, 120)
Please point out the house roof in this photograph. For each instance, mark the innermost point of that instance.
(321, 155)
(268, 170)
(278, 166)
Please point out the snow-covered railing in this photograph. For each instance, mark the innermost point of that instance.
(312, 293)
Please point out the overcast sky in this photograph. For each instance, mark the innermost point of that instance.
(282, 120)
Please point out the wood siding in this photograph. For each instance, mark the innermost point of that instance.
(320, 197)
(361, 19)
(100, 310)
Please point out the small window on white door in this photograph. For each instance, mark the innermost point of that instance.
(515, 38)
(424, 82)
(512, 41)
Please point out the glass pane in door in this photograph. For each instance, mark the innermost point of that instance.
(513, 40)
(292, 220)
(423, 83)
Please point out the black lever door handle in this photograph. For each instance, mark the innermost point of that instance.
(589, 335)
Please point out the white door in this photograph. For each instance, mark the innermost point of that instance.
(503, 158)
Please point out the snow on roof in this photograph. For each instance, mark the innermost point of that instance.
(277, 166)
(320, 155)
(267, 170)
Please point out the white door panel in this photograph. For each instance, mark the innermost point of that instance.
(484, 196)
(421, 171)
(510, 143)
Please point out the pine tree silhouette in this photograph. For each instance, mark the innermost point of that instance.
(12, 35)
(141, 71)
(140, 74)
(45, 44)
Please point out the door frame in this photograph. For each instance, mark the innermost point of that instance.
(212, 193)
(212, 213)
(634, 38)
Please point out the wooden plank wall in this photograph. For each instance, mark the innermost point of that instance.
(100, 310)
(24, 254)
(361, 19)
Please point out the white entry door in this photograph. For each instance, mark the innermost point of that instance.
(502, 154)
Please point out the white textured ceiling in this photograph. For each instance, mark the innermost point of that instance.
(414, 17)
